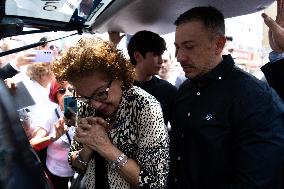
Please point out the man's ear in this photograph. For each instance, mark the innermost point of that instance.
(138, 56)
(220, 44)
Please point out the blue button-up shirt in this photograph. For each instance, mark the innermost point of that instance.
(227, 132)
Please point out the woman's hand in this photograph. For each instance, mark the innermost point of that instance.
(92, 132)
(60, 128)
(23, 59)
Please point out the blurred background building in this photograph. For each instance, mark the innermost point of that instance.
(250, 40)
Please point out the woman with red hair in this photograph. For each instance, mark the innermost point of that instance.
(56, 136)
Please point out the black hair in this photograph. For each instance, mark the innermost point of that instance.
(143, 42)
(229, 38)
(211, 17)
(44, 39)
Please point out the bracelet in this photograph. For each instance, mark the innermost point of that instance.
(84, 163)
(119, 162)
(125, 160)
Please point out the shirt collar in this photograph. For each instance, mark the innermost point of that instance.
(216, 73)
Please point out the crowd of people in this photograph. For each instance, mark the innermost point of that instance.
(216, 126)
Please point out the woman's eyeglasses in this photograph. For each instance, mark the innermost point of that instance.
(97, 95)
(62, 91)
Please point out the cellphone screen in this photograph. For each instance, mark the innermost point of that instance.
(70, 102)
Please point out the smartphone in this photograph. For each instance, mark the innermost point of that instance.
(43, 56)
(71, 102)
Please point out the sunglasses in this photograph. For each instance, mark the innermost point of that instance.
(231, 50)
(62, 91)
(52, 47)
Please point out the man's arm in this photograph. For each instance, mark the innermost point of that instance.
(258, 142)
(276, 28)
(274, 76)
(259, 159)
(12, 68)
(273, 70)
(115, 37)
(7, 71)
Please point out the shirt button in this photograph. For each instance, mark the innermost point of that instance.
(182, 135)
(188, 114)
(175, 179)
(198, 93)
(220, 77)
(179, 158)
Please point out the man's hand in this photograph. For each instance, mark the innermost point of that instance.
(115, 37)
(23, 59)
(10, 83)
(276, 28)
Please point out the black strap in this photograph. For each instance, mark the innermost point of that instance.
(101, 178)
(67, 134)
(57, 114)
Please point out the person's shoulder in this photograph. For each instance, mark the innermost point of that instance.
(136, 92)
(277, 66)
(241, 78)
(139, 96)
(165, 84)
(249, 87)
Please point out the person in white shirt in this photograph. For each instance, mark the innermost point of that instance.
(167, 71)
(38, 83)
(56, 136)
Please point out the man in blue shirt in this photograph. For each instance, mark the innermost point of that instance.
(227, 126)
